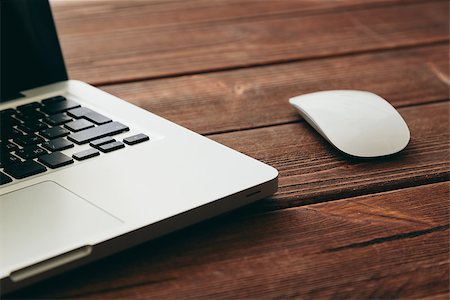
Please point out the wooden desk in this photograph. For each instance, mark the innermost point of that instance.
(337, 228)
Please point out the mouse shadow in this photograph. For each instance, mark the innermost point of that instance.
(379, 159)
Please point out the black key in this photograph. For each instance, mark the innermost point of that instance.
(111, 146)
(24, 169)
(58, 119)
(16, 133)
(105, 140)
(57, 144)
(30, 152)
(7, 132)
(79, 125)
(136, 139)
(59, 106)
(7, 112)
(8, 159)
(85, 136)
(55, 160)
(79, 112)
(6, 147)
(29, 106)
(28, 139)
(30, 116)
(10, 133)
(82, 155)
(6, 128)
(31, 127)
(4, 179)
(89, 114)
(8, 121)
(97, 118)
(53, 99)
(14, 122)
(54, 132)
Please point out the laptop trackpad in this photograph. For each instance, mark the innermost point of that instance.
(44, 220)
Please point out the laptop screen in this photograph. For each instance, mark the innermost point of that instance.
(30, 51)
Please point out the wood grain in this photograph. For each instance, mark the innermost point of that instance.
(313, 171)
(242, 99)
(85, 17)
(387, 245)
(113, 41)
(443, 296)
(338, 227)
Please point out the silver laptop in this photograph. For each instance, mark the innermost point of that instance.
(84, 174)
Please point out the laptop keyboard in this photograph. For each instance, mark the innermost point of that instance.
(33, 135)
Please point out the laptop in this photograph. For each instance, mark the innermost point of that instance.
(84, 174)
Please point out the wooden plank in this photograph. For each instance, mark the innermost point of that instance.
(388, 245)
(75, 17)
(241, 99)
(311, 170)
(112, 41)
(443, 296)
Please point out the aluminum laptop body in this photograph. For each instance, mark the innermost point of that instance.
(72, 214)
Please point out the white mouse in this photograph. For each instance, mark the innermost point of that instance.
(358, 123)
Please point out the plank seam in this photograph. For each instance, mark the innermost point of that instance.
(260, 207)
(395, 237)
(218, 132)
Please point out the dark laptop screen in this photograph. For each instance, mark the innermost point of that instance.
(30, 52)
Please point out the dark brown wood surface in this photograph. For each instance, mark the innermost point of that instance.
(116, 41)
(338, 227)
(386, 245)
(255, 97)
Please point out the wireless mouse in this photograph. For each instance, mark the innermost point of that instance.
(358, 123)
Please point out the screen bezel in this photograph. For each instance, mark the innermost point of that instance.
(30, 52)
